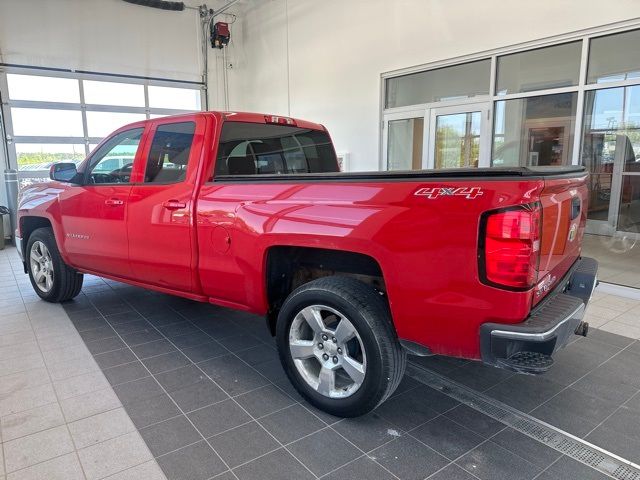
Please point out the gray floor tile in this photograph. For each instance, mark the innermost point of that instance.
(526, 447)
(409, 459)
(137, 390)
(478, 376)
(264, 400)
(125, 373)
(234, 376)
(566, 468)
(99, 333)
(121, 318)
(407, 410)
(272, 370)
(238, 343)
(198, 395)
(360, 469)
(114, 358)
(152, 349)
(367, 432)
(475, 421)
(190, 340)
(279, 464)
(452, 472)
(259, 354)
(151, 410)
(574, 411)
(180, 329)
(492, 462)
(525, 392)
(218, 417)
(105, 345)
(138, 338)
(172, 434)
(205, 351)
(243, 444)
(166, 362)
(447, 437)
(180, 378)
(132, 327)
(195, 462)
(291, 423)
(611, 388)
(324, 451)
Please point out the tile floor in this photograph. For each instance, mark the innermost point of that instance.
(127, 383)
(59, 416)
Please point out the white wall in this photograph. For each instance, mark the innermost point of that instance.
(336, 51)
(108, 36)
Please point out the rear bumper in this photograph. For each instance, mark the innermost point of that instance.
(550, 326)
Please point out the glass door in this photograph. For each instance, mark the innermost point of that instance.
(611, 152)
(403, 140)
(459, 137)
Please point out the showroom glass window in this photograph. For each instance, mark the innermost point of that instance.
(62, 118)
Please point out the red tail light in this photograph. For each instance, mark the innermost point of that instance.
(511, 247)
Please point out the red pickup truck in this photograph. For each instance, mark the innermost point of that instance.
(351, 270)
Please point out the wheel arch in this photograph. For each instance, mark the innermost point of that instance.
(288, 267)
(29, 224)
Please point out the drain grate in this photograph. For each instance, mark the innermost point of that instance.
(574, 447)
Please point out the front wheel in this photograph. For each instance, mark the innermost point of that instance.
(51, 278)
(338, 346)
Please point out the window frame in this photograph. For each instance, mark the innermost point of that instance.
(144, 158)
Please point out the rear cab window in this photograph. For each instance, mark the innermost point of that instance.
(267, 149)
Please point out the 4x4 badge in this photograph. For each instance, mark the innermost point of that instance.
(434, 192)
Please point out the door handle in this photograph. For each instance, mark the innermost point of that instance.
(114, 202)
(174, 205)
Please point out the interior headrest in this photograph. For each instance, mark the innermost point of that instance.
(241, 166)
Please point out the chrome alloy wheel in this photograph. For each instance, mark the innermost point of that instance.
(327, 351)
(41, 266)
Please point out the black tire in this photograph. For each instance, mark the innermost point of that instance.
(369, 313)
(67, 282)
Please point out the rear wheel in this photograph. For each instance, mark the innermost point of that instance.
(338, 345)
(51, 278)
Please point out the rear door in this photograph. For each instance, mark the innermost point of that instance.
(161, 203)
(564, 216)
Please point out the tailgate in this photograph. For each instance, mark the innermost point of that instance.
(564, 215)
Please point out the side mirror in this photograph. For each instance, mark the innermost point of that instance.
(63, 172)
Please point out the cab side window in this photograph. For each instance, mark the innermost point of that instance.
(113, 161)
(169, 153)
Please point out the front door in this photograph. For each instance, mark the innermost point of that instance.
(459, 137)
(161, 204)
(94, 214)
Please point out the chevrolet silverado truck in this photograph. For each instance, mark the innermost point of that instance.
(351, 270)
